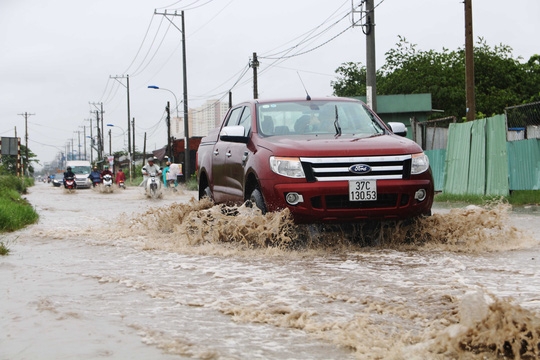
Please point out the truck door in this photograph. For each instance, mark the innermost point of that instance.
(219, 158)
(235, 160)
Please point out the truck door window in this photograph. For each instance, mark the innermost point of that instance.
(234, 117)
(245, 120)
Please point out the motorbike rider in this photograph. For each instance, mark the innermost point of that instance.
(120, 177)
(69, 174)
(150, 168)
(95, 176)
(106, 171)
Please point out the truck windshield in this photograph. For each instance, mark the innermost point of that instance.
(81, 170)
(316, 117)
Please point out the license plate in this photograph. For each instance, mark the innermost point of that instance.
(362, 190)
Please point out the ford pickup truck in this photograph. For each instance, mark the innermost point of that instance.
(328, 160)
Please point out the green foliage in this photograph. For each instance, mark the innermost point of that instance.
(500, 80)
(10, 182)
(15, 212)
(525, 197)
(192, 183)
(4, 248)
(352, 80)
(9, 163)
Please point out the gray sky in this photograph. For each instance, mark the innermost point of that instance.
(57, 56)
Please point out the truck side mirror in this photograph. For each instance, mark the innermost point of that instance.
(233, 133)
(398, 128)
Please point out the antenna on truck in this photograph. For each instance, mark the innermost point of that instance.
(307, 95)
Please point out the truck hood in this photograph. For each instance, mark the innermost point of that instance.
(348, 145)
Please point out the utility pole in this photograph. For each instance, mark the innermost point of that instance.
(79, 144)
(255, 64)
(110, 143)
(128, 119)
(25, 167)
(101, 133)
(84, 141)
(91, 143)
(72, 148)
(187, 156)
(469, 62)
(168, 109)
(371, 82)
(133, 142)
(100, 138)
(144, 148)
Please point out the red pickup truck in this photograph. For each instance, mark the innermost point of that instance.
(328, 160)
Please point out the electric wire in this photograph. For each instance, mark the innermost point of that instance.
(136, 71)
(140, 46)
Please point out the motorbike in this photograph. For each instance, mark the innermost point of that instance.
(121, 185)
(153, 186)
(107, 183)
(70, 184)
(95, 181)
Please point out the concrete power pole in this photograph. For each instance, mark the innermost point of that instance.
(469, 62)
(25, 168)
(255, 64)
(128, 120)
(371, 82)
(168, 109)
(187, 154)
(133, 142)
(91, 143)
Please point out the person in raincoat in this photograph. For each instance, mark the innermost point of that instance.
(165, 172)
(95, 176)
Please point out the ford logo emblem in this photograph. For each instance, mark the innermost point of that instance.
(360, 169)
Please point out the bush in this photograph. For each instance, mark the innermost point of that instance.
(15, 212)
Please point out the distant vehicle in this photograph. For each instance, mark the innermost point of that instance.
(56, 182)
(81, 169)
(327, 160)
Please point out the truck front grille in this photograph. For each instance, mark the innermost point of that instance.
(337, 169)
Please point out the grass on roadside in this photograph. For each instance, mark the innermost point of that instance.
(4, 248)
(15, 212)
(521, 197)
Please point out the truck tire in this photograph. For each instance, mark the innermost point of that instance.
(257, 199)
(207, 194)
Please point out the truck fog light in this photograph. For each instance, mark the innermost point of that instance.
(293, 198)
(420, 195)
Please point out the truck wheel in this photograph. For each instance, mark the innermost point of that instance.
(207, 194)
(257, 199)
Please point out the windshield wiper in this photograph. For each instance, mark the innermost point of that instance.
(336, 123)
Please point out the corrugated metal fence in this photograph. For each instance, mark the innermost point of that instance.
(524, 162)
(478, 160)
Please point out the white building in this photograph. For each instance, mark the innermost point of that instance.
(201, 119)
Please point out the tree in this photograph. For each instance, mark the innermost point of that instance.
(500, 80)
(352, 80)
(9, 163)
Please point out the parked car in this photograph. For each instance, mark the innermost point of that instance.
(327, 160)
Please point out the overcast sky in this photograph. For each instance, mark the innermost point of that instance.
(58, 56)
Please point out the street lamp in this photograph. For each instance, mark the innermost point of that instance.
(169, 147)
(175, 98)
(123, 134)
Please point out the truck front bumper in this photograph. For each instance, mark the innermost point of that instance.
(328, 202)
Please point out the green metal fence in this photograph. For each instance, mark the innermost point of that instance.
(476, 158)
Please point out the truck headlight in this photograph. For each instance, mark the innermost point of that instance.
(420, 163)
(287, 166)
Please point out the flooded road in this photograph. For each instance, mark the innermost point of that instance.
(120, 276)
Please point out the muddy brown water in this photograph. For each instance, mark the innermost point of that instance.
(120, 276)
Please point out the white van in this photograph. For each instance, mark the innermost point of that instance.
(81, 169)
